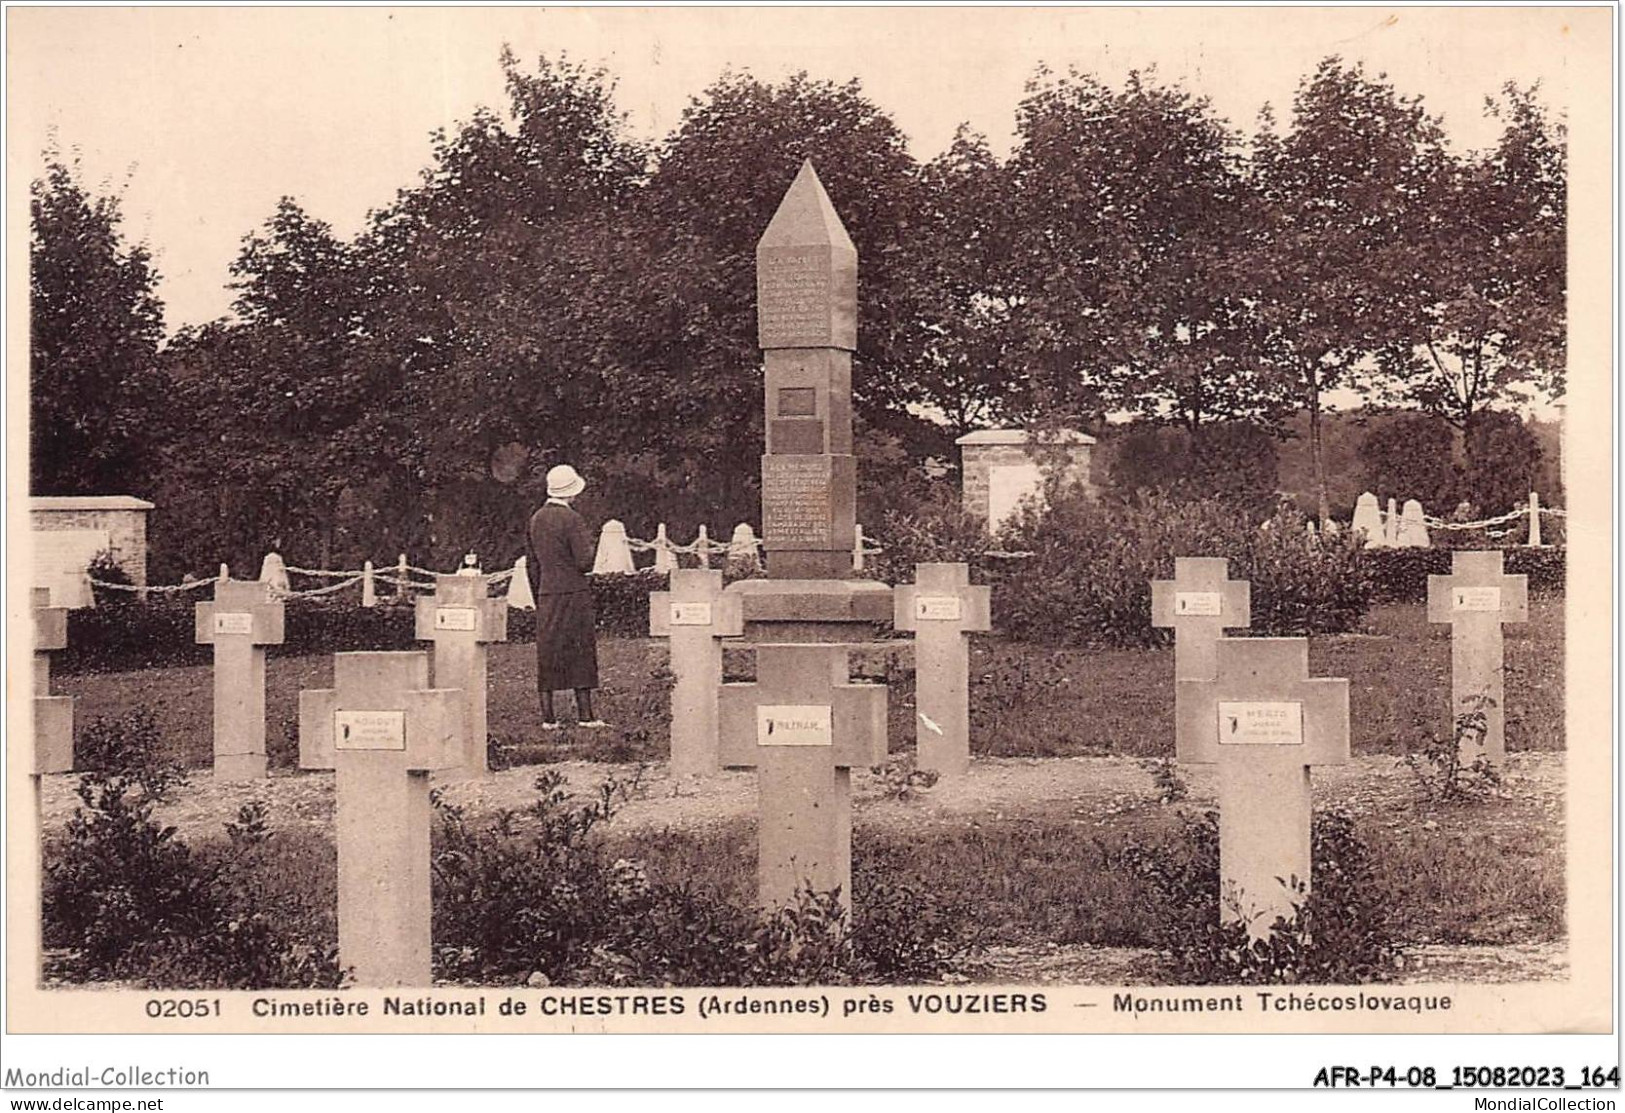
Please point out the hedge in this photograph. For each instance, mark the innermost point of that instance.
(160, 632)
(1401, 575)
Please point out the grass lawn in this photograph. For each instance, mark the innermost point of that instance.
(1026, 701)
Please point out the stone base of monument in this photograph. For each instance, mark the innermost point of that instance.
(811, 611)
(240, 767)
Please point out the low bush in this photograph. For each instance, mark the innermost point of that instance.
(124, 899)
(1440, 761)
(533, 897)
(1340, 931)
(937, 531)
(1089, 579)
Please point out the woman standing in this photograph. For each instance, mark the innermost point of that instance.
(566, 642)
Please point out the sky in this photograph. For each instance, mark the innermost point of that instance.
(203, 118)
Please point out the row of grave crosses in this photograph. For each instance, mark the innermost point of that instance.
(1249, 706)
(244, 618)
(385, 725)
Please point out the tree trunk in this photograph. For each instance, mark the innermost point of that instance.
(1316, 454)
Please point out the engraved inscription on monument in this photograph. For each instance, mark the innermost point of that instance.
(798, 401)
(796, 509)
(937, 608)
(793, 297)
(691, 614)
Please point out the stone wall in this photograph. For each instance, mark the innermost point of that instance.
(121, 517)
(984, 453)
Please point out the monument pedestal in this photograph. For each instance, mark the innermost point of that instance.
(811, 611)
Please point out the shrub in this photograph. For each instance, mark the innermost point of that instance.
(1089, 581)
(104, 568)
(532, 896)
(1437, 761)
(1339, 933)
(937, 531)
(125, 899)
(900, 933)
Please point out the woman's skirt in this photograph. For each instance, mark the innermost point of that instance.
(566, 642)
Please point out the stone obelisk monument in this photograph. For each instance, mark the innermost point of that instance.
(802, 725)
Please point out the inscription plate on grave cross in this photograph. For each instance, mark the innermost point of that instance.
(1475, 599)
(937, 608)
(454, 618)
(1202, 603)
(793, 725)
(233, 622)
(691, 614)
(369, 730)
(1278, 723)
(796, 504)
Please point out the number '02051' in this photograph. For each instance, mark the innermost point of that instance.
(183, 1008)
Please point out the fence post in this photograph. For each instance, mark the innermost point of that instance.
(857, 548)
(400, 583)
(665, 559)
(702, 547)
(1534, 518)
(225, 573)
(519, 593)
(369, 589)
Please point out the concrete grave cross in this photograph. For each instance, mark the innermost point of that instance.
(462, 619)
(1476, 598)
(386, 731)
(695, 614)
(1200, 603)
(803, 727)
(941, 607)
(1265, 723)
(242, 619)
(53, 715)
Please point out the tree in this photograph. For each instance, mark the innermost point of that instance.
(94, 327)
(1491, 279)
(688, 357)
(1503, 462)
(494, 288)
(1340, 197)
(1409, 456)
(958, 270)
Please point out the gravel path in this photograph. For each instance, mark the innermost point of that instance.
(996, 789)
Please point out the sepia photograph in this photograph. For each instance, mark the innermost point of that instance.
(810, 520)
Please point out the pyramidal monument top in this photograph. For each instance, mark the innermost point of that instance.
(806, 272)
